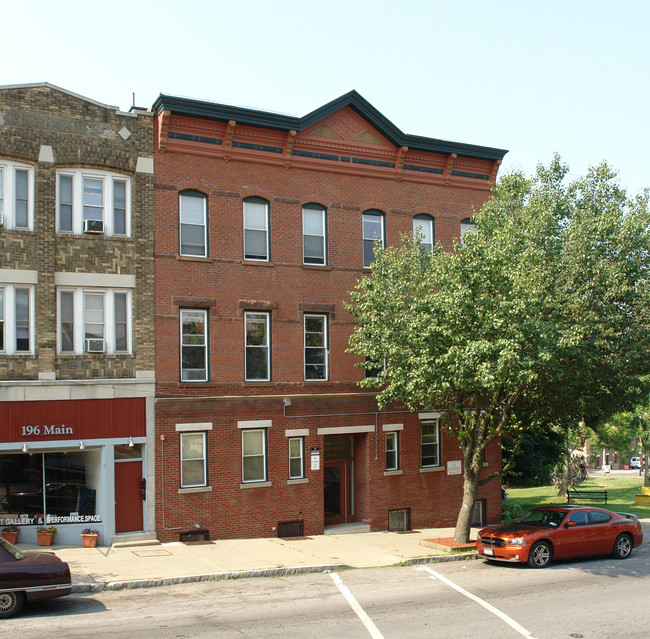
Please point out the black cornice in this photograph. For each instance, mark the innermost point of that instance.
(253, 117)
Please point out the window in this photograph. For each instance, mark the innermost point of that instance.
(392, 451)
(431, 443)
(316, 347)
(258, 364)
(375, 369)
(16, 319)
(253, 455)
(194, 345)
(256, 229)
(579, 519)
(90, 201)
(94, 321)
(426, 225)
(193, 462)
(466, 226)
(314, 242)
(193, 207)
(373, 230)
(16, 195)
(296, 458)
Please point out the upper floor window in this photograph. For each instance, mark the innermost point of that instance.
(258, 351)
(373, 230)
(315, 346)
(314, 239)
(194, 345)
(16, 195)
(256, 229)
(253, 455)
(426, 226)
(466, 226)
(90, 201)
(94, 321)
(431, 443)
(193, 212)
(16, 319)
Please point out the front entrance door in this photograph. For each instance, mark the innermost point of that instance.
(335, 493)
(128, 496)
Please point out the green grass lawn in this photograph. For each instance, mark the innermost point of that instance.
(620, 495)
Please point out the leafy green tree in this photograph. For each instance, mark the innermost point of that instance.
(545, 304)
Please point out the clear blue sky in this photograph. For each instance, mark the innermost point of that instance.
(533, 77)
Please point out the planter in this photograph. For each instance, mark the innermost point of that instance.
(44, 539)
(88, 541)
(11, 537)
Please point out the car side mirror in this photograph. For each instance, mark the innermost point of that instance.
(571, 524)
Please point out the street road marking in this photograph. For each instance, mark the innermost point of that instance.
(354, 604)
(502, 615)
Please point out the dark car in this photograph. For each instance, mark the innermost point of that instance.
(30, 576)
(561, 532)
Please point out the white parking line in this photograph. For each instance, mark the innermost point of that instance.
(502, 615)
(354, 604)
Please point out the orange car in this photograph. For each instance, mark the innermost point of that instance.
(561, 532)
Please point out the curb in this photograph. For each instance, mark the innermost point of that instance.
(132, 584)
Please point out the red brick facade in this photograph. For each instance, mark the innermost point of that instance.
(348, 159)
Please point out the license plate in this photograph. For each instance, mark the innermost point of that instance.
(488, 551)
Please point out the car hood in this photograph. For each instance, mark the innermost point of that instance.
(40, 557)
(510, 530)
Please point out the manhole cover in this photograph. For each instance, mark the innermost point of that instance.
(151, 553)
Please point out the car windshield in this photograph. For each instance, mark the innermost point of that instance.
(540, 517)
(11, 549)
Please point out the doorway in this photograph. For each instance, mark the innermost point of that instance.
(129, 489)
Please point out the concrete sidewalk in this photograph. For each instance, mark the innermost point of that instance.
(156, 564)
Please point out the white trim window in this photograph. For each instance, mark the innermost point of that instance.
(256, 229)
(16, 319)
(426, 225)
(296, 457)
(193, 223)
(431, 443)
(193, 460)
(90, 201)
(94, 321)
(194, 345)
(16, 195)
(466, 226)
(373, 230)
(392, 450)
(314, 234)
(257, 345)
(253, 443)
(315, 342)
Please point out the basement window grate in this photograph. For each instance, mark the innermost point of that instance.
(291, 529)
(195, 535)
(399, 520)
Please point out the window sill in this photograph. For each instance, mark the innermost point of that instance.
(431, 469)
(193, 258)
(291, 482)
(256, 484)
(390, 473)
(198, 489)
(317, 267)
(249, 262)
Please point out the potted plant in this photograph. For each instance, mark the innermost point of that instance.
(89, 537)
(10, 533)
(45, 535)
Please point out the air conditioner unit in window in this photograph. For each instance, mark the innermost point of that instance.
(93, 226)
(94, 345)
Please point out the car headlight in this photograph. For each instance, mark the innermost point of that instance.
(517, 541)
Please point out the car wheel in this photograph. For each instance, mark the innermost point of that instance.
(540, 555)
(11, 603)
(622, 547)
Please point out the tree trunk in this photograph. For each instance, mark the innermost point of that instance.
(565, 475)
(464, 521)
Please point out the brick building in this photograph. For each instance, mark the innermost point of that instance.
(264, 222)
(76, 315)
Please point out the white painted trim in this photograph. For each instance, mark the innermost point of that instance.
(255, 423)
(15, 276)
(424, 416)
(184, 428)
(90, 280)
(392, 427)
(296, 432)
(346, 430)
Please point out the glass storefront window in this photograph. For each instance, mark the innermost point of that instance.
(54, 487)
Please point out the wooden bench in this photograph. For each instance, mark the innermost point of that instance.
(572, 495)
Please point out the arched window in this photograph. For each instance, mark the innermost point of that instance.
(193, 223)
(466, 226)
(257, 236)
(427, 226)
(373, 230)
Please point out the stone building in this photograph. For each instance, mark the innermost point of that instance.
(76, 315)
(264, 222)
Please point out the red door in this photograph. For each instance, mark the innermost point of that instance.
(128, 496)
(335, 492)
